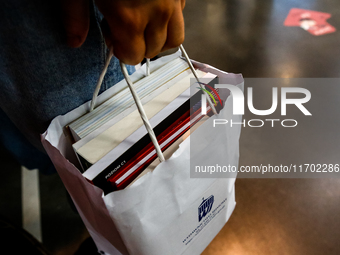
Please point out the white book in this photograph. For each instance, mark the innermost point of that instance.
(101, 142)
(122, 102)
(121, 143)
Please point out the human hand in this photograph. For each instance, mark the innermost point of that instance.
(134, 28)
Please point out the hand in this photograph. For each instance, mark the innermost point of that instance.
(134, 28)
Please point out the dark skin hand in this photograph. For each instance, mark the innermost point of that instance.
(136, 29)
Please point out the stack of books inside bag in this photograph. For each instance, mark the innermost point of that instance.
(111, 142)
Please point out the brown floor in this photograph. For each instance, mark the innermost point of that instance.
(282, 216)
(274, 216)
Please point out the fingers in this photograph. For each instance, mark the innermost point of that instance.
(138, 29)
(127, 38)
(76, 19)
(175, 32)
(130, 51)
(156, 34)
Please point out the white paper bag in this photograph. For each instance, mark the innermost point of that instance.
(165, 211)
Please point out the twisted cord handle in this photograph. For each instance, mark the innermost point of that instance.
(197, 79)
(142, 113)
(101, 78)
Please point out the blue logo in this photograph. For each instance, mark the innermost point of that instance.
(205, 207)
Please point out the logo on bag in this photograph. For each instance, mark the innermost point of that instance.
(205, 207)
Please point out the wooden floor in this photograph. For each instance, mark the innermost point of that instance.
(282, 216)
(276, 216)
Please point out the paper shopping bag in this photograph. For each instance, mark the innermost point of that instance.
(165, 211)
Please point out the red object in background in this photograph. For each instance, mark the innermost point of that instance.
(312, 21)
(296, 15)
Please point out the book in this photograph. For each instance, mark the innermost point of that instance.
(122, 102)
(136, 165)
(169, 151)
(112, 143)
(92, 148)
(141, 153)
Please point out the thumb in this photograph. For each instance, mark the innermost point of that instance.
(76, 18)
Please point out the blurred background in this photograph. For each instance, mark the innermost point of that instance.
(272, 216)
